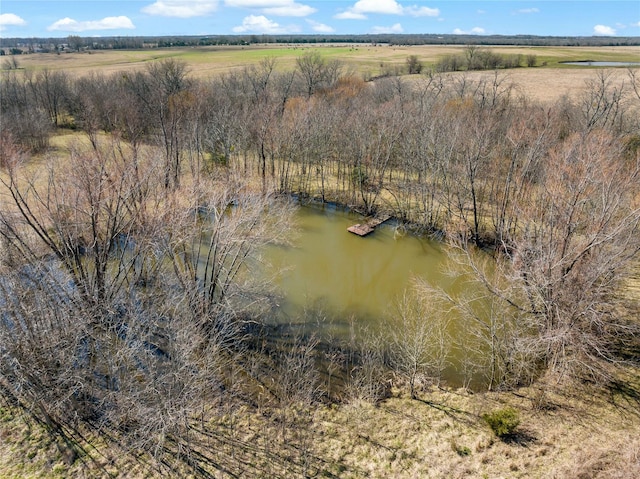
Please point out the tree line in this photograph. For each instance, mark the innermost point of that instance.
(107, 42)
(130, 306)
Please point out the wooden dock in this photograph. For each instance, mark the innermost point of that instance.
(365, 228)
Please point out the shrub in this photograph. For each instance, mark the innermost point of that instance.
(359, 176)
(462, 451)
(414, 66)
(503, 422)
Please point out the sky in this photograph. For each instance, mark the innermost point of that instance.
(87, 18)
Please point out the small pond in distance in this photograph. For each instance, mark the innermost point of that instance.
(587, 63)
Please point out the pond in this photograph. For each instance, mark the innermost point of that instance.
(334, 283)
(347, 277)
(588, 63)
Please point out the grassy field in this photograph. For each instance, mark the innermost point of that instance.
(442, 434)
(547, 81)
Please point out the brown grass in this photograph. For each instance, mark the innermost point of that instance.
(581, 434)
(540, 83)
(442, 435)
(548, 85)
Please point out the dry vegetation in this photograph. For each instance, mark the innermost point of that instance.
(149, 366)
(577, 434)
(547, 83)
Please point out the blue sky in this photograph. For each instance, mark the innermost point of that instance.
(49, 18)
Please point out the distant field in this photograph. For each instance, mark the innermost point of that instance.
(550, 84)
(549, 80)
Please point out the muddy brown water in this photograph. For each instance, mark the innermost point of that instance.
(334, 284)
(332, 278)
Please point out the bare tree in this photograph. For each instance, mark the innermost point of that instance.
(602, 102)
(517, 167)
(420, 342)
(165, 93)
(578, 237)
(370, 149)
(220, 125)
(22, 117)
(258, 77)
(212, 245)
(414, 66)
(472, 54)
(124, 306)
(316, 72)
(50, 90)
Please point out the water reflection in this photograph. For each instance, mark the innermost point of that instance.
(347, 276)
(336, 284)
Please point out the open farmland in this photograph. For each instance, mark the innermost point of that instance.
(546, 82)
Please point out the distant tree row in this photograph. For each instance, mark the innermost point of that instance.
(391, 39)
(478, 58)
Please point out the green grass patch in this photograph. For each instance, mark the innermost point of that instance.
(365, 59)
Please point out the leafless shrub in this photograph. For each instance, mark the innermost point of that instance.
(367, 378)
(124, 308)
(420, 343)
(578, 238)
(602, 103)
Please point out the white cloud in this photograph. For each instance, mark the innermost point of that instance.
(603, 30)
(349, 15)
(261, 24)
(257, 3)
(292, 10)
(395, 28)
(528, 10)
(10, 19)
(390, 7)
(361, 8)
(637, 24)
(108, 23)
(415, 11)
(249, 3)
(181, 8)
(320, 27)
(281, 8)
(481, 12)
(473, 31)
